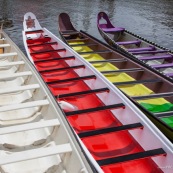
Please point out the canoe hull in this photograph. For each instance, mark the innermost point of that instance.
(163, 127)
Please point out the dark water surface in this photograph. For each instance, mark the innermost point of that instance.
(152, 19)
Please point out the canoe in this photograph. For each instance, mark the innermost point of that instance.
(155, 56)
(34, 137)
(152, 93)
(115, 134)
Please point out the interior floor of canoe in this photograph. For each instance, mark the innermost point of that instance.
(101, 146)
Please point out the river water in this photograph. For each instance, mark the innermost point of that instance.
(151, 19)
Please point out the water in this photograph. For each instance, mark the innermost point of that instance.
(151, 19)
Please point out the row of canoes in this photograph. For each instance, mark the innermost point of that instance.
(114, 134)
(148, 90)
(95, 128)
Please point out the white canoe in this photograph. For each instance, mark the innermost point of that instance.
(34, 135)
(115, 134)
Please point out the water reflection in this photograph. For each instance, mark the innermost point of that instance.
(6, 13)
(150, 19)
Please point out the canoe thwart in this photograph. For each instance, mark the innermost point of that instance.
(15, 75)
(48, 51)
(149, 52)
(64, 31)
(55, 59)
(110, 129)
(108, 60)
(132, 50)
(24, 105)
(77, 45)
(101, 108)
(159, 66)
(83, 93)
(137, 42)
(61, 69)
(42, 44)
(35, 31)
(4, 55)
(137, 82)
(94, 52)
(146, 58)
(29, 126)
(122, 70)
(36, 153)
(113, 30)
(77, 40)
(19, 88)
(12, 63)
(169, 94)
(72, 79)
(130, 157)
(69, 33)
(163, 114)
(4, 45)
(169, 74)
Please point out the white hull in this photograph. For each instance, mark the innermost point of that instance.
(34, 135)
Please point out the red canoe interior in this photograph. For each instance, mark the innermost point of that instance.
(100, 146)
